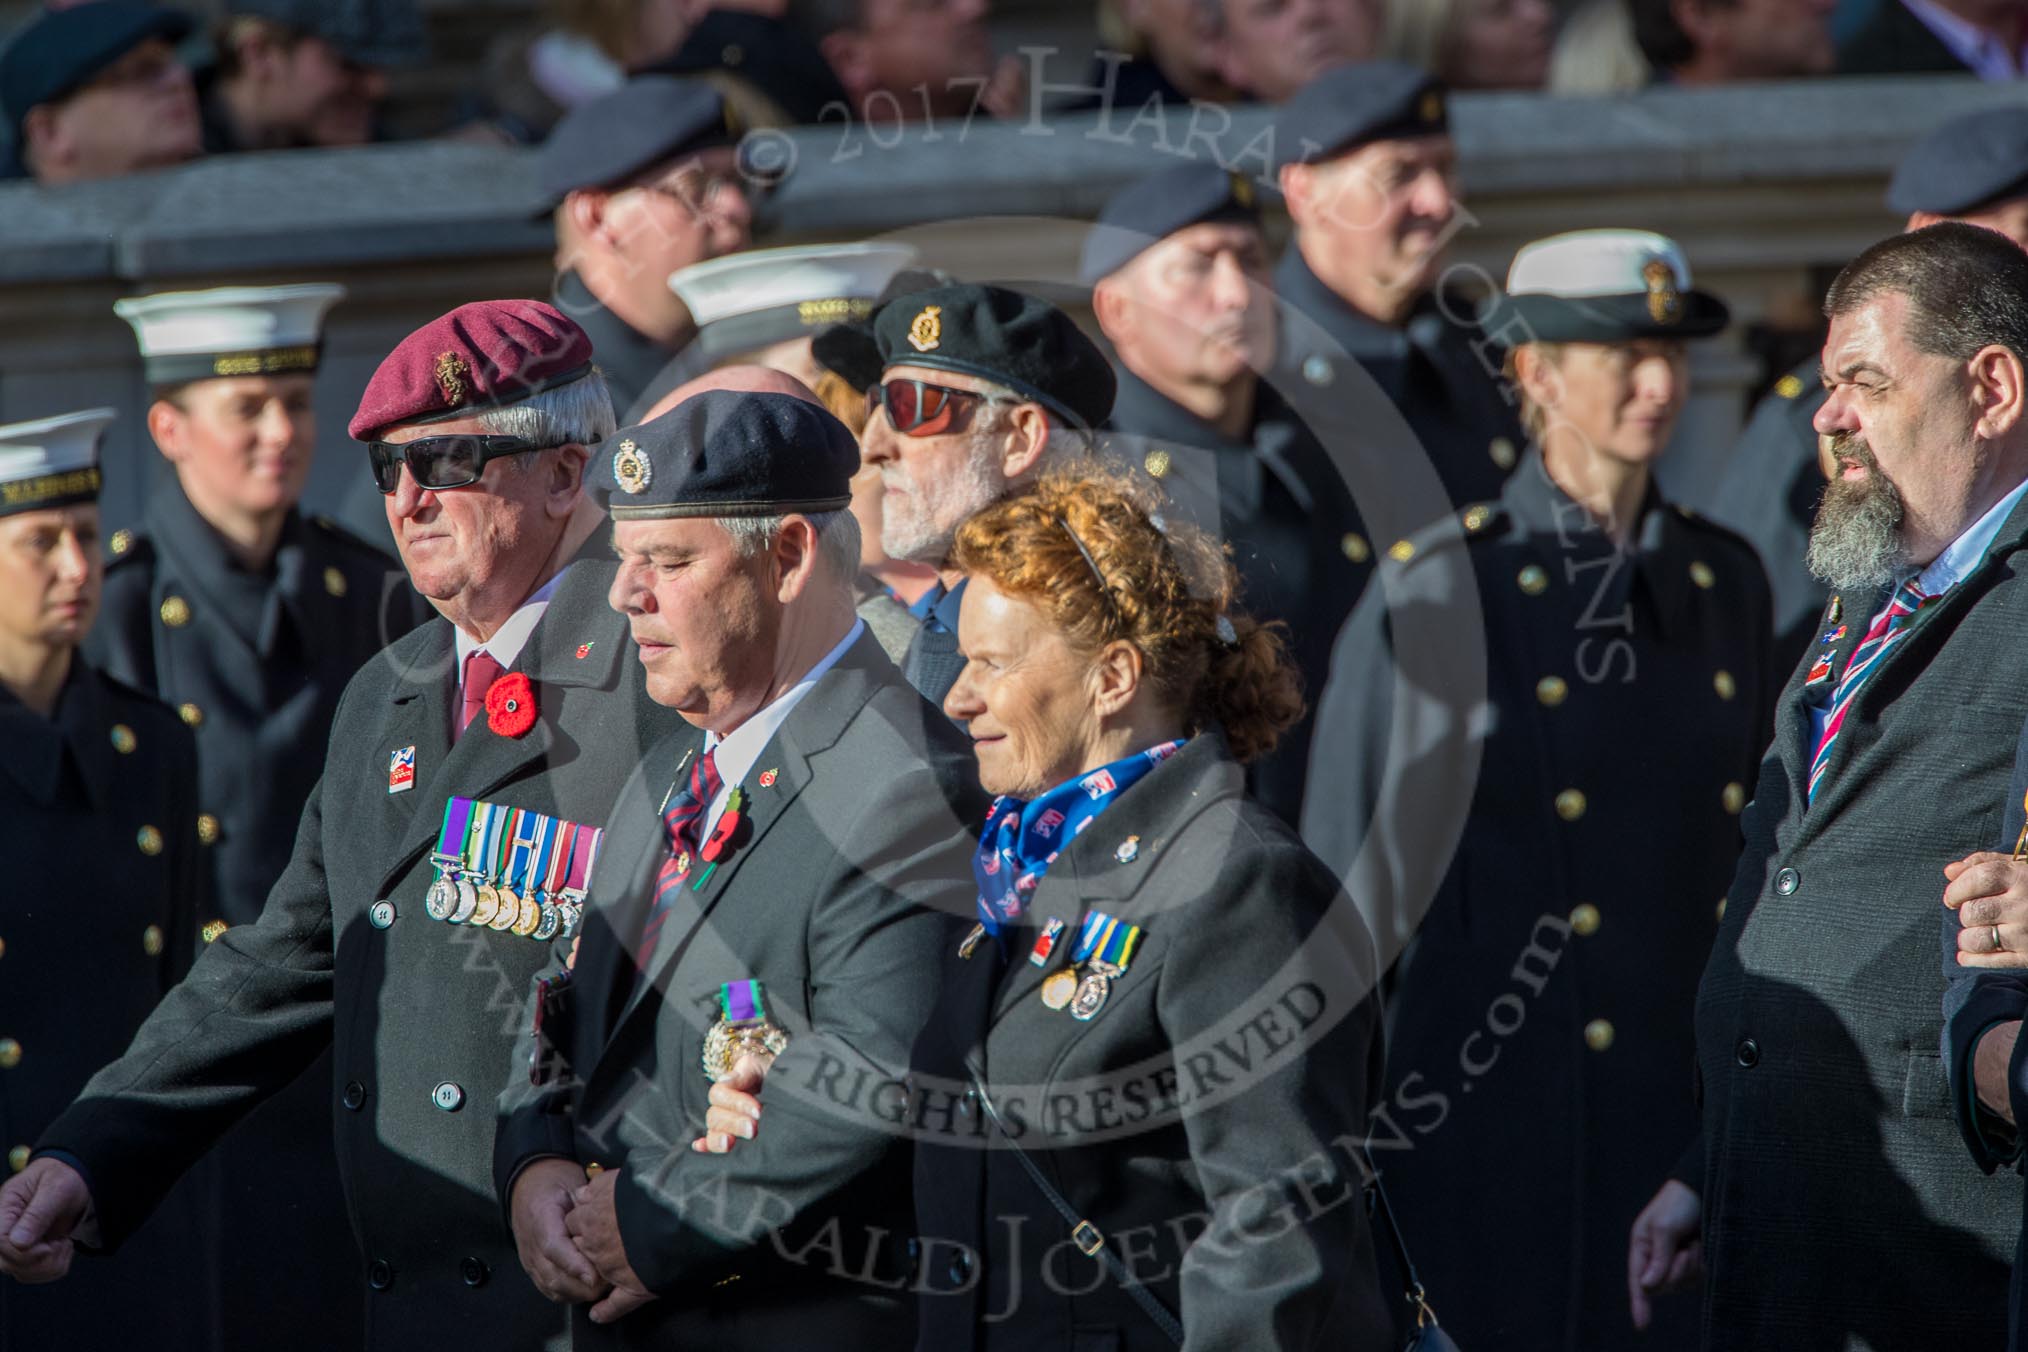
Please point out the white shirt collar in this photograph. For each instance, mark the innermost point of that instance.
(1987, 56)
(512, 636)
(1966, 552)
(734, 754)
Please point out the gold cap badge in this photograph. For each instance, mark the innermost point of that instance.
(927, 329)
(453, 374)
(1242, 191)
(1432, 109)
(631, 468)
(1665, 302)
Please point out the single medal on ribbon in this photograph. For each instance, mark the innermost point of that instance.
(449, 858)
(743, 1026)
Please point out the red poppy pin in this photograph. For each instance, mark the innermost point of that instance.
(510, 705)
(583, 651)
(767, 779)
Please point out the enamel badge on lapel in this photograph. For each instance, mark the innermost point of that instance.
(401, 770)
(1045, 942)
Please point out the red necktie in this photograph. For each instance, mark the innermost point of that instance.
(480, 673)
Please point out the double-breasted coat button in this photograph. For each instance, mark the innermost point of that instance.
(1552, 690)
(175, 611)
(1355, 547)
(1570, 804)
(1598, 1034)
(149, 840)
(1503, 452)
(124, 740)
(10, 1053)
(1723, 683)
(380, 1274)
(1401, 551)
(1584, 918)
(1476, 517)
(448, 1096)
(1734, 797)
(151, 941)
(381, 914)
(334, 581)
(474, 1272)
(1721, 908)
(1701, 574)
(1156, 462)
(123, 540)
(191, 714)
(1747, 1053)
(960, 1270)
(1317, 370)
(207, 829)
(1787, 881)
(212, 929)
(355, 1096)
(968, 1103)
(17, 1158)
(1533, 580)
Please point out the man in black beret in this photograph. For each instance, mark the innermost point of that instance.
(646, 181)
(1180, 282)
(774, 895)
(305, 72)
(97, 90)
(1973, 168)
(1370, 176)
(981, 389)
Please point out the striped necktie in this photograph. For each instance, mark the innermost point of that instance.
(1867, 658)
(683, 827)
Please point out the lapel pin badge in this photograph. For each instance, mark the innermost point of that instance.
(583, 651)
(767, 779)
(401, 770)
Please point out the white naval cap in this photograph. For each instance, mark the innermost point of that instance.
(804, 288)
(51, 462)
(230, 330)
(1606, 286)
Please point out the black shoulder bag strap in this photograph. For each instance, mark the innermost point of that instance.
(1427, 1337)
(1083, 1233)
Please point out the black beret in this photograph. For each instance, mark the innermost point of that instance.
(1028, 345)
(1965, 164)
(1144, 213)
(1348, 106)
(727, 453)
(374, 33)
(61, 50)
(649, 119)
(850, 350)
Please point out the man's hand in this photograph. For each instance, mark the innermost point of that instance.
(44, 1210)
(1665, 1252)
(1990, 1060)
(543, 1197)
(595, 1227)
(735, 1106)
(1990, 894)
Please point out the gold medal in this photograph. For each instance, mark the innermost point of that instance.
(530, 918)
(509, 914)
(726, 1042)
(1059, 987)
(489, 905)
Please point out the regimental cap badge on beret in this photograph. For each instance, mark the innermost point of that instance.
(453, 375)
(927, 329)
(1431, 109)
(631, 469)
(1242, 190)
(1665, 302)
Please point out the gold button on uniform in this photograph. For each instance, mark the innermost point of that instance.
(151, 941)
(1598, 1034)
(1584, 919)
(1534, 581)
(1502, 451)
(212, 929)
(1401, 551)
(1570, 805)
(207, 829)
(17, 1158)
(123, 739)
(123, 540)
(1551, 690)
(1156, 463)
(10, 1053)
(1734, 797)
(1789, 386)
(1724, 685)
(191, 714)
(1701, 574)
(1721, 908)
(334, 582)
(149, 839)
(1477, 517)
(175, 611)
(1355, 547)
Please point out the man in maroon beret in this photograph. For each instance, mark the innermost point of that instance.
(469, 769)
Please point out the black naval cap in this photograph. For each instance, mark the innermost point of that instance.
(1967, 163)
(375, 33)
(1026, 344)
(61, 50)
(1145, 212)
(649, 119)
(1351, 105)
(727, 453)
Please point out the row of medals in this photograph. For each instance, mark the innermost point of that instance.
(1084, 995)
(476, 899)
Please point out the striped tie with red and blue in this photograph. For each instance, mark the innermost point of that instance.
(683, 827)
(1887, 630)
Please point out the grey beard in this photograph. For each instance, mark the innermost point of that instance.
(1856, 541)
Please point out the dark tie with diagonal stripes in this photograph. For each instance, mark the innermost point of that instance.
(683, 827)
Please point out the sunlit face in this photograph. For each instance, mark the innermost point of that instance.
(932, 484)
(705, 620)
(1621, 400)
(1374, 221)
(689, 211)
(1272, 48)
(1197, 307)
(50, 575)
(243, 442)
(920, 55)
(1024, 696)
(139, 113)
(475, 540)
(1500, 44)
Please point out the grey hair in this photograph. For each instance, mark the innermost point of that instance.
(837, 538)
(1063, 444)
(580, 413)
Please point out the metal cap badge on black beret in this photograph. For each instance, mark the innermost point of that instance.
(1604, 286)
(1026, 344)
(727, 453)
(1348, 106)
(62, 49)
(1967, 163)
(649, 119)
(1144, 213)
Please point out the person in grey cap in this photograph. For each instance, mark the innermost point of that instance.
(1973, 168)
(646, 181)
(305, 72)
(97, 90)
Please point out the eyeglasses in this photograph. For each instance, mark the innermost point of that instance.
(917, 408)
(440, 462)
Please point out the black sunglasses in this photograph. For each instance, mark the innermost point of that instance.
(440, 462)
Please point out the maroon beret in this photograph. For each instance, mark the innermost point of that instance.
(477, 357)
